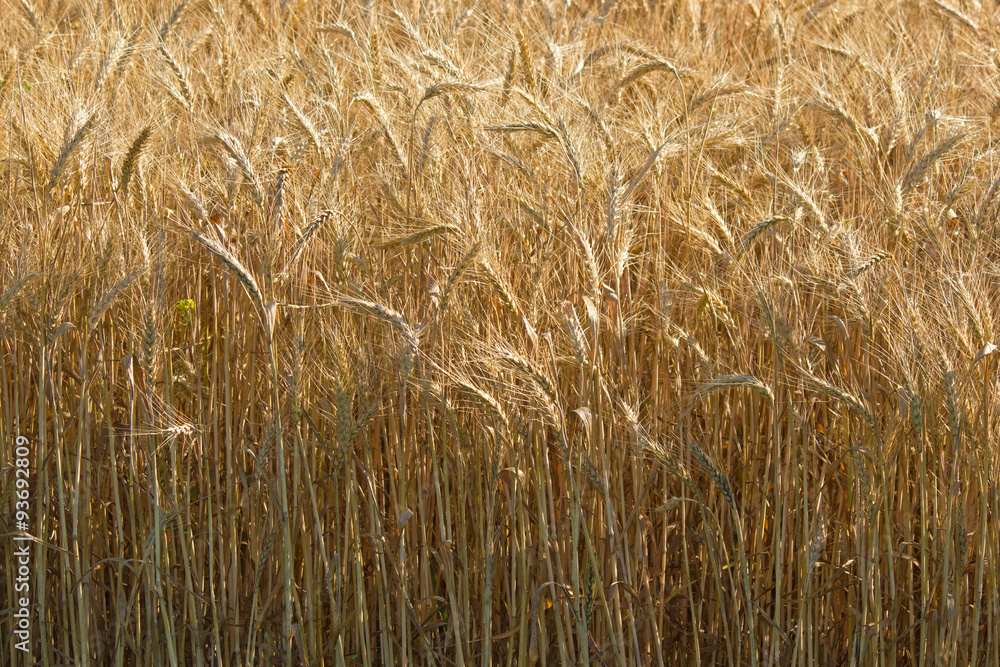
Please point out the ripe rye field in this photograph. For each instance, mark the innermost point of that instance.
(502, 333)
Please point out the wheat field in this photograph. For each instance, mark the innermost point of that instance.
(499, 333)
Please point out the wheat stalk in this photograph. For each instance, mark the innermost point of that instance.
(643, 69)
(306, 125)
(463, 267)
(939, 151)
(234, 149)
(132, 158)
(67, 150)
(725, 382)
(747, 241)
(179, 74)
(172, 19)
(217, 248)
(338, 29)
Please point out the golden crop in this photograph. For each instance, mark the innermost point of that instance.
(600, 333)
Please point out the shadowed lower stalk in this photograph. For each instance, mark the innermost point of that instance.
(444, 503)
(42, 483)
(266, 315)
(983, 509)
(283, 498)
